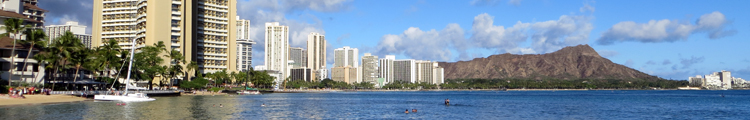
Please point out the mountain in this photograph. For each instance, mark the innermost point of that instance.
(573, 62)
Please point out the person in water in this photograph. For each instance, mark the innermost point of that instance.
(447, 101)
(221, 105)
(263, 105)
(414, 110)
(407, 111)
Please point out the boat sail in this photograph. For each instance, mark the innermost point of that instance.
(136, 97)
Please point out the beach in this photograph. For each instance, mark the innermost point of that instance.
(39, 99)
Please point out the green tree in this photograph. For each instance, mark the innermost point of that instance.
(78, 59)
(61, 50)
(148, 62)
(34, 38)
(108, 56)
(262, 79)
(13, 26)
(190, 68)
(175, 68)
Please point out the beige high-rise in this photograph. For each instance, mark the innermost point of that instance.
(316, 55)
(202, 30)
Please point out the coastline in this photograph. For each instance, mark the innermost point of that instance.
(38, 99)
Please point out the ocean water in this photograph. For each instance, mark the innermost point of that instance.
(481, 105)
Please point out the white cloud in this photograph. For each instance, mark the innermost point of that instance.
(487, 35)
(261, 11)
(656, 31)
(587, 8)
(553, 35)
(423, 45)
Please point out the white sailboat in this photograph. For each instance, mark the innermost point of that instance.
(125, 97)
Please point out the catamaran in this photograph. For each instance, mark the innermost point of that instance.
(125, 97)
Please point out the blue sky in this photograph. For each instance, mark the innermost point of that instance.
(667, 38)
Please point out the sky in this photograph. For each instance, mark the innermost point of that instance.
(672, 39)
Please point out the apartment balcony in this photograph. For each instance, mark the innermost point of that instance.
(213, 9)
(118, 12)
(118, 20)
(118, 8)
(176, 2)
(213, 42)
(118, 32)
(213, 17)
(213, 5)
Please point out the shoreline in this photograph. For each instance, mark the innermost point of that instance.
(6, 101)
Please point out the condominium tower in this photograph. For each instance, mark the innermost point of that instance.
(345, 56)
(298, 56)
(405, 70)
(202, 30)
(54, 31)
(386, 68)
(276, 47)
(316, 55)
(244, 45)
(369, 68)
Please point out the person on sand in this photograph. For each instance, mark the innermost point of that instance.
(407, 111)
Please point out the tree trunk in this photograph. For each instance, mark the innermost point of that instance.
(27, 58)
(76, 75)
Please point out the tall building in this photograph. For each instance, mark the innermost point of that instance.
(297, 55)
(424, 71)
(386, 68)
(301, 74)
(369, 68)
(345, 57)
(696, 81)
(244, 54)
(54, 31)
(316, 55)
(11, 67)
(201, 30)
(346, 74)
(276, 47)
(405, 70)
(244, 45)
(24, 9)
(726, 79)
(439, 75)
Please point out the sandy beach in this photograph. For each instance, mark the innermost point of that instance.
(38, 99)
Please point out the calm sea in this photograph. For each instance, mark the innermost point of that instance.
(483, 105)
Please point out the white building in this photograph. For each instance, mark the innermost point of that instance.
(244, 45)
(346, 56)
(713, 81)
(405, 70)
(244, 54)
(259, 67)
(316, 55)
(429, 72)
(385, 70)
(276, 47)
(726, 79)
(369, 68)
(696, 81)
(54, 31)
(297, 55)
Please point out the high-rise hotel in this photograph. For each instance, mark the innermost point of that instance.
(277, 49)
(202, 30)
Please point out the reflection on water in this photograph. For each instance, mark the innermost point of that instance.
(391, 105)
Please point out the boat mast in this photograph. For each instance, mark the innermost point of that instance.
(132, 52)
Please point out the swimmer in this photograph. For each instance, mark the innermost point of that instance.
(263, 105)
(214, 105)
(407, 111)
(414, 110)
(447, 101)
(221, 105)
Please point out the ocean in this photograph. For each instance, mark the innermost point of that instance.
(474, 105)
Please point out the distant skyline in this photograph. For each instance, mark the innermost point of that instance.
(672, 39)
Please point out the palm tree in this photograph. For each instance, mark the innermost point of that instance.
(64, 48)
(79, 59)
(13, 26)
(190, 67)
(173, 70)
(33, 38)
(108, 56)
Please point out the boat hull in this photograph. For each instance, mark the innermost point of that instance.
(122, 98)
